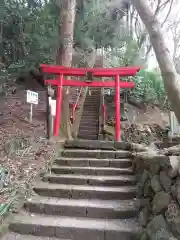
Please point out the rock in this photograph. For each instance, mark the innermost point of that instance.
(155, 183)
(147, 189)
(165, 162)
(166, 181)
(141, 203)
(172, 173)
(161, 201)
(142, 179)
(143, 217)
(175, 189)
(154, 167)
(145, 177)
(173, 218)
(174, 162)
(173, 211)
(158, 229)
(139, 190)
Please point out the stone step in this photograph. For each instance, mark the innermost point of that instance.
(88, 136)
(111, 209)
(85, 192)
(88, 119)
(90, 180)
(89, 127)
(93, 124)
(93, 98)
(89, 144)
(98, 171)
(90, 113)
(16, 236)
(75, 228)
(80, 153)
(91, 105)
(89, 108)
(85, 130)
(86, 115)
(94, 162)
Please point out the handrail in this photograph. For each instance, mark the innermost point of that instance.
(104, 112)
(74, 106)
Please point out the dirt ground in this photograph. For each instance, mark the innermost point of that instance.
(143, 126)
(147, 115)
(24, 150)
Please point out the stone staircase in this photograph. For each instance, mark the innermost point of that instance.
(89, 125)
(89, 194)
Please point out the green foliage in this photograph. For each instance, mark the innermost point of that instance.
(29, 36)
(95, 24)
(149, 87)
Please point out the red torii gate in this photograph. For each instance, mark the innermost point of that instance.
(115, 73)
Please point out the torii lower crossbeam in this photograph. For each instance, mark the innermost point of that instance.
(96, 72)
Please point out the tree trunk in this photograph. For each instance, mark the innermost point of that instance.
(170, 77)
(64, 57)
(88, 61)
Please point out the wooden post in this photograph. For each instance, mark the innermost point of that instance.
(31, 113)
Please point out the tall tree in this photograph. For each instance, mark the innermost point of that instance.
(64, 56)
(170, 76)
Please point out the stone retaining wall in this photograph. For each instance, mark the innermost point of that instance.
(158, 186)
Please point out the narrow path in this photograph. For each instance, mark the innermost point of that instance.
(89, 124)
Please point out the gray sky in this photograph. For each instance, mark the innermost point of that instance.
(167, 35)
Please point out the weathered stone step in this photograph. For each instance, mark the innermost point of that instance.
(89, 113)
(94, 162)
(75, 228)
(89, 144)
(80, 153)
(111, 209)
(16, 236)
(93, 124)
(90, 105)
(90, 179)
(89, 118)
(89, 126)
(99, 171)
(85, 192)
(91, 110)
(86, 130)
(88, 136)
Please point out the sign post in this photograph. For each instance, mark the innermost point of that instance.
(32, 98)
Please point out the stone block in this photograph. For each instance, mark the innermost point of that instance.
(144, 216)
(155, 184)
(165, 181)
(122, 145)
(161, 201)
(158, 229)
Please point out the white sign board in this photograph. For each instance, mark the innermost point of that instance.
(32, 97)
(52, 104)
